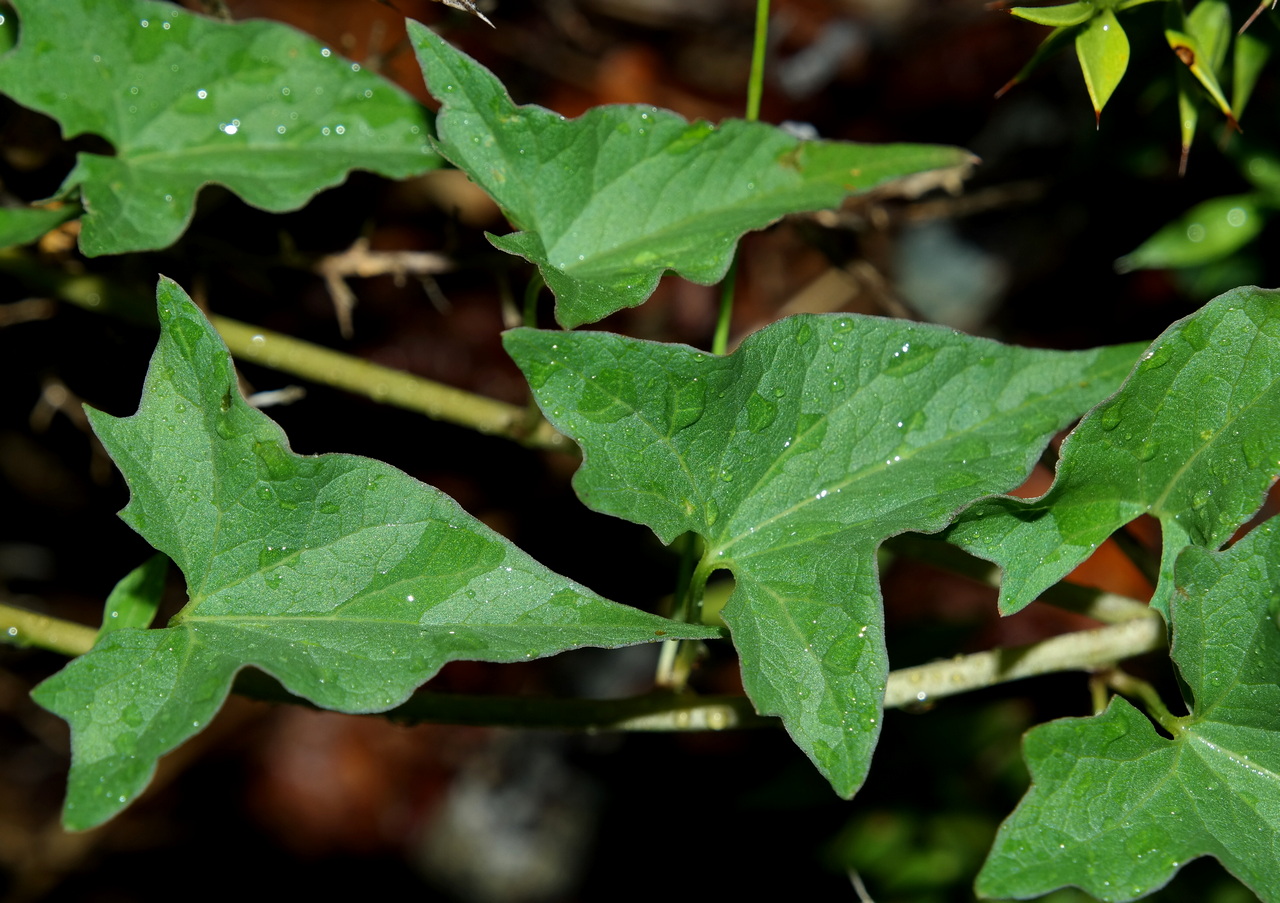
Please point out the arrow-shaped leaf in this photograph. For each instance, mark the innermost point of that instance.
(186, 101)
(1191, 439)
(793, 458)
(1116, 808)
(608, 202)
(1103, 50)
(346, 579)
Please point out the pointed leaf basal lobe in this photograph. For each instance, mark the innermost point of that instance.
(346, 579)
(608, 202)
(1190, 439)
(1115, 807)
(793, 458)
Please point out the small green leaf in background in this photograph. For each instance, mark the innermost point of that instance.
(794, 458)
(1190, 439)
(1057, 16)
(22, 225)
(1209, 231)
(344, 578)
(1188, 49)
(134, 600)
(1103, 50)
(1115, 807)
(608, 202)
(1251, 55)
(186, 101)
(1209, 22)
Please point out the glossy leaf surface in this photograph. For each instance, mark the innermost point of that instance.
(346, 579)
(608, 202)
(1103, 50)
(186, 101)
(1190, 439)
(793, 458)
(1115, 807)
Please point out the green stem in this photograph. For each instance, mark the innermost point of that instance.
(653, 712)
(26, 628)
(531, 293)
(290, 355)
(755, 87)
(720, 344)
(1083, 650)
(1078, 651)
(436, 400)
(674, 664)
(1139, 689)
(755, 90)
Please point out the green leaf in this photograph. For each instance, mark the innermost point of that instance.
(134, 600)
(1251, 55)
(793, 458)
(186, 101)
(1115, 807)
(1262, 168)
(1190, 439)
(1057, 16)
(20, 226)
(1188, 116)
(1209, 231)
(1103, 50)
(346, 579)
(1209, 22)
(608, 202)
(1199, 63)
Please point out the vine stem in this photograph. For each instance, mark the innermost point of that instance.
(1128, 685)
(383, 384)
(26, 628)
(755, 91)
(313, 362)
(1079, 651)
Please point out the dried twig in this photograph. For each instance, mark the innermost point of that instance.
(359, 261)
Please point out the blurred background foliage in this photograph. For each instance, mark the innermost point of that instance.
(319, 802)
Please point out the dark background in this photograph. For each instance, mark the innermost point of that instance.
(280, 799)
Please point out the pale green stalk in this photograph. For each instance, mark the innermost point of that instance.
(26, 628)
(1082, 650)
(383, 384)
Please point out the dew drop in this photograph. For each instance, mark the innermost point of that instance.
(1156, 358)
(761, 412)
